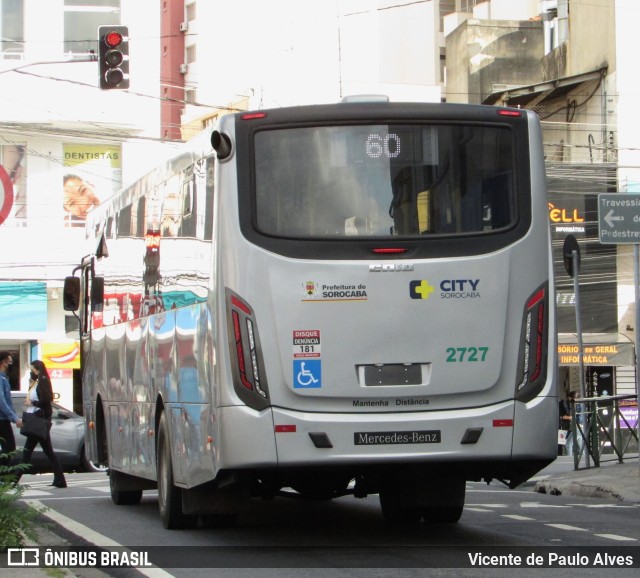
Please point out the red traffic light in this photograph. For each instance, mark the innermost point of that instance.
(113, 56)
(113, 39)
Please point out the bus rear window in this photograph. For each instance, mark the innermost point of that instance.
(384, 180)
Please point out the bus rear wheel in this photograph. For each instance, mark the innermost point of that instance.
(449, 503)
(169, 495)
(395, 509)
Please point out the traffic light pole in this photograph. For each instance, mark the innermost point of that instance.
(91, 57)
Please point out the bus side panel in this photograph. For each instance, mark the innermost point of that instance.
(194, 392)
(247, 438)
(118, 431)
(93, 378)
(536, 429)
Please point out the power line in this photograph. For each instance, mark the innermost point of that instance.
(132, 92)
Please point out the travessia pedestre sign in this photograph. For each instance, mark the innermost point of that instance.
(619, 218)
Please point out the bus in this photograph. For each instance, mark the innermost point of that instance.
(326, 300)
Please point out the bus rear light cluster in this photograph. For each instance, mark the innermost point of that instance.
(248, 370)
(532, 363)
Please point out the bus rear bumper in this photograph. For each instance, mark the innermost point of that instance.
(494, 441)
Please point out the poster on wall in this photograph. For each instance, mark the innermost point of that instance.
(92, 173)
(61, 358)
(13, 197)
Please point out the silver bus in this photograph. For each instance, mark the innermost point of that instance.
(354, 298)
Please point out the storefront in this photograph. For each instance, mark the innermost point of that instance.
(30, 314)
(608, 359)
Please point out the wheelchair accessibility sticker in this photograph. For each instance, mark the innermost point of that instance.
(307, 373)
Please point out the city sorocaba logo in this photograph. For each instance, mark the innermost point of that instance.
(420, 289)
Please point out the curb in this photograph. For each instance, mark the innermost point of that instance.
(620, 482)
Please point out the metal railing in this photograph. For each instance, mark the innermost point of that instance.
(601, 431)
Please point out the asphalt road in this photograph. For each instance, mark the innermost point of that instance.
(278, 537)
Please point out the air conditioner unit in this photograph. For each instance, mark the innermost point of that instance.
(184, 68)
(184, 26)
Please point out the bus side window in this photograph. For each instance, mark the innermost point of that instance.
(141, 228)
(208, 204)
(171, 219)
(189, 209)
(124, 222)
(109, 228)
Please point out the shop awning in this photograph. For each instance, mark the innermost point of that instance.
(609, 349)
(533, 94)
(23, 307)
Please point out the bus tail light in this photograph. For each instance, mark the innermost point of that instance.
(532, 360)
(248, 368)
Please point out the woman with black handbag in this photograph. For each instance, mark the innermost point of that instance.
(39, 401)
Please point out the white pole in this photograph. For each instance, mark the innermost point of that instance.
(582, 406)
(636, 282)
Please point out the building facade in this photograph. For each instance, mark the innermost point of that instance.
(570, 62)
(65, 145)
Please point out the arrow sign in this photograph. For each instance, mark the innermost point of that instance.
(609, 218)
(619, 218)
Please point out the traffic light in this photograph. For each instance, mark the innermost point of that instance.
(113, 55)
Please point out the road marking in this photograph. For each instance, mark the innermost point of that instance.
(35, 493)
(538, 478)
(472, 509)
(95, 538)
(490, 505)
(616, 537)
(567, 527)
(540, 505)
(517, 517)
(603, 506)
(499, 490)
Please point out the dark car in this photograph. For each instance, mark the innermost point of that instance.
(67, 437)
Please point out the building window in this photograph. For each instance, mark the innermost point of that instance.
(12, 28)
(190, 53)
(190, 10)
(190, 95)
(81, 21)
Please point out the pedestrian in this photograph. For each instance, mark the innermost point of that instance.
(565, 421)
(7, 414)
(39, 400)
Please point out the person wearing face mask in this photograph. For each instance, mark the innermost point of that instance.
(7, 414)
(39, 399)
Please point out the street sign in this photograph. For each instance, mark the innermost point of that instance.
(6, 195)
(570, 245)
(619, 218)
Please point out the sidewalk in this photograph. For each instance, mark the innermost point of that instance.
(611, 480)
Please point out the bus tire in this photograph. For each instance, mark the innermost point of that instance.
(169, 495)
(123, 497)
(449, 503)
(395, 509)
